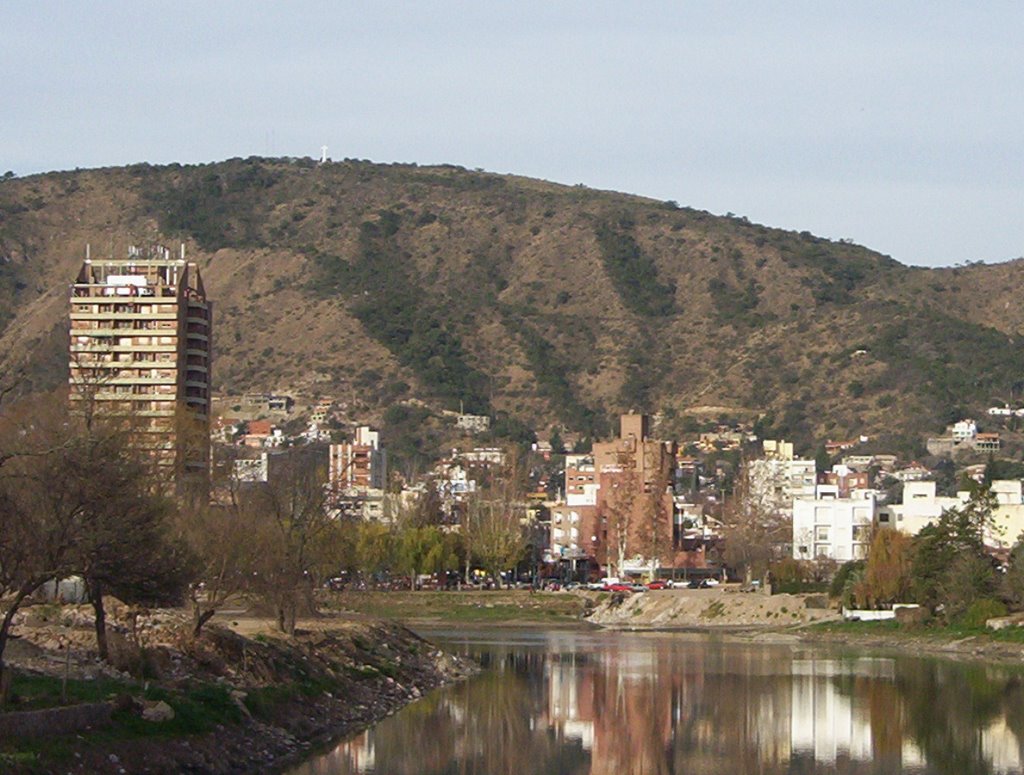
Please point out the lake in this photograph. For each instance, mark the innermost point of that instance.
(616, 703)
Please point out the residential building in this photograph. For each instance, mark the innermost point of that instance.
(267, 403)
(574, 525)
(987, 442)
(828, 526)
(634, 501)
(258, 433)
(357, 475)
(846, 480)
(775, 480)
(580, 480)
(915, 472)
(963, 430)
(473, 423)
(140, 349)
(321, 412)
(921, 506)
(359, 464)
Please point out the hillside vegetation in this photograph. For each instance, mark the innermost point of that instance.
(538, 303)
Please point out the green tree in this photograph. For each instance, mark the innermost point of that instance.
(374, 548)
(950, 567)
(822, 462)
(422, 550)
(1013, 582)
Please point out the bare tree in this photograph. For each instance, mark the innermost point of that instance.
(493, 527)
(43, 501)
(619, 510)
(754, 529)
(290, 530)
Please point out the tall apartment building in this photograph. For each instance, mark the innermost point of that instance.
(141, 349)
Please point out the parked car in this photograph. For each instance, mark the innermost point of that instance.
(618, 586)
(637, 587)
(658, 584)
(703, 583)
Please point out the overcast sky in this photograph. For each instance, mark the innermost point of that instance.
(899, 125)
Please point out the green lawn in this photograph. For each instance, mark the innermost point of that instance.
(519, 606)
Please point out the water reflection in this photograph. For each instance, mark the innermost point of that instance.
(645, 704)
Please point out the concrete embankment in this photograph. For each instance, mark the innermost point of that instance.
(719, 608)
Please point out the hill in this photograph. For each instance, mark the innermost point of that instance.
(540, 303)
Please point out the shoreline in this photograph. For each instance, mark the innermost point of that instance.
(934, 643)
(264, 704)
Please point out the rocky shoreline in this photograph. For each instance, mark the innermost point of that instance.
(280, 699)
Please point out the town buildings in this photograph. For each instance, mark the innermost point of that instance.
(140, 350)
(618, 507)
(780, 476)
(831, 526)
(357, 475)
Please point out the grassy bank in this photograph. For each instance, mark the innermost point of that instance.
(948, 641)
(939, 633)
(512, 607)
(239, 704)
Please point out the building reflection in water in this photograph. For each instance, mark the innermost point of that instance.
(644, 704)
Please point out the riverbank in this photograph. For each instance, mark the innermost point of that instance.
(1004, 646)
(502, 608)
(224, 703)
(716, 609)
(796, 619)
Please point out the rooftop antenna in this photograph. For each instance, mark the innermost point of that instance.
(323, 154)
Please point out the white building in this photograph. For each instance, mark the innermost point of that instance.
(921, 507)
(827, 526)
(473, 423)
(775, 482)
(963, 430)
(580, 481)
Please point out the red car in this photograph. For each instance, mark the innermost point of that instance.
(658, 585)
(618, 586)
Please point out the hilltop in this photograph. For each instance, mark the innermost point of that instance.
(541, 303)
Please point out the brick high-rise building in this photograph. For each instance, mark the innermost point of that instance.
(141, 349)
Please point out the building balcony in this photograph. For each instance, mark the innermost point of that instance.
(112, 315)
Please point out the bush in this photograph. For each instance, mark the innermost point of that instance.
(980, 611)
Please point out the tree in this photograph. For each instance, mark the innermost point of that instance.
(290, 522)
(754, 530)
(618, 516)
(43, 499)
(822, 461)
(887, 574)
(219, 537)
(421, 550)
(950, 567)
(493, 527)
(375, 547)
(1013, 582)
(655, 529)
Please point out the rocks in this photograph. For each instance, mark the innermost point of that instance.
(157, 711)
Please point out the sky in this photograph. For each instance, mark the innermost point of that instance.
(897, 125)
